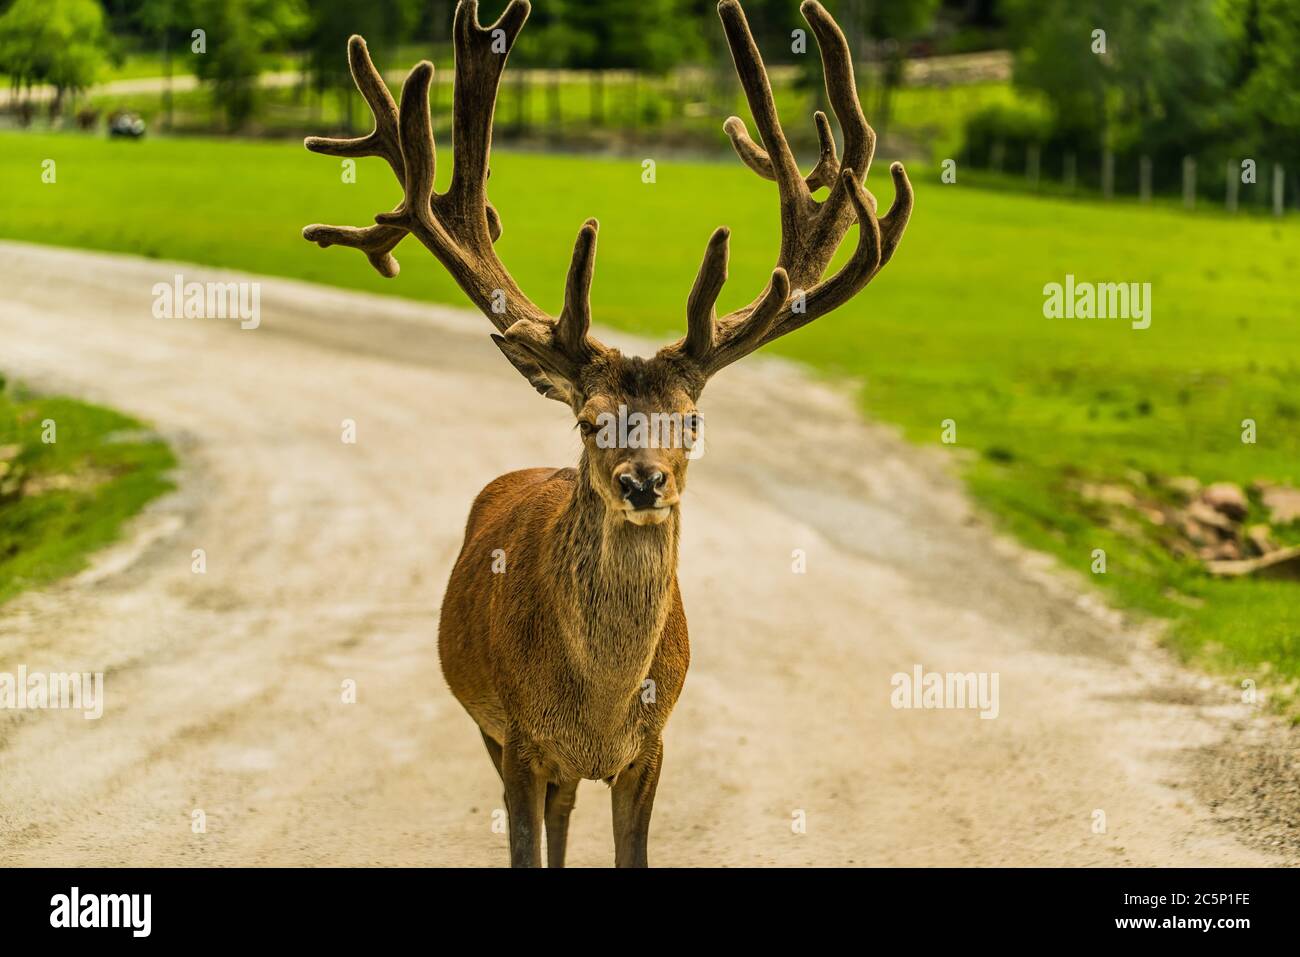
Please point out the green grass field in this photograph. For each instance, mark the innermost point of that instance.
(953, 329)
(70, 475)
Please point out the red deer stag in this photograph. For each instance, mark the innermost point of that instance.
(555, 659)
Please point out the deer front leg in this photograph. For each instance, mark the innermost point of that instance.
(525, 797)
(560, 799)
(633, 798)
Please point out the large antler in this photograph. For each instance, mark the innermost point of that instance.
(811, 230)
(460, 226)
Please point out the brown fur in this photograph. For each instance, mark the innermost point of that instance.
(551, 656)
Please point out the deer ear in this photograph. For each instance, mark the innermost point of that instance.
(548, 384)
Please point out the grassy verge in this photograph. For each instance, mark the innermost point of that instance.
(953, 329)
(70, 475)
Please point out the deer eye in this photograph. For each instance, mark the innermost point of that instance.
(586, 428)
(693, 421)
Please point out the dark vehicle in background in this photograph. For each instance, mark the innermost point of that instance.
(124, 124)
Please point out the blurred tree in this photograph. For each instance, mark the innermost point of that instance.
(876, 30)
(649, 35)
(384, 23)
(1155, 87)
(60, 42)
(552, 41)
(892, 24)
(1169, 76)
(239, 34)
(1264, 70)
(160, 20)
(1054, 56)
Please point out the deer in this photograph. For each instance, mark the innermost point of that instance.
(571, 657)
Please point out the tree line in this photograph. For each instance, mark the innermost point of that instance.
(66, 44)
(1144, 85)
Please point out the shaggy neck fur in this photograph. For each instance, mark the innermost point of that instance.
(620, 579)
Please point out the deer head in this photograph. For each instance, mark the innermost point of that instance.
(558, 354)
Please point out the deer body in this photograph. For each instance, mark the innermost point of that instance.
(585, 611)
(562, 631)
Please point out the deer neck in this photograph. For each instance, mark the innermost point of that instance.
(619, 581)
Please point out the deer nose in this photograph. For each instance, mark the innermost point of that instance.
(641, 490)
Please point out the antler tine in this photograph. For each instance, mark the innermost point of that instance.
(575, 320)
(756, 158)
(459, 226)
(704, 295)
(900, 211)
(811, 231)
(877, 240)
(377, 242)
(480, 58)
(415, 135)
(842, 91)
(383, 139)
(851, 277)
(774, 161)
(739, 337)
(828, 164)
(710, 343)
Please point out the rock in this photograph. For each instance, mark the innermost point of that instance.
(1227, 498)
(1226, 551)
(1185, 485)
(1281, 565)
(1282, 502)
(1153, 515)
(1107, 494)
(1202, 513)
(1259, 540)
(1196, 533)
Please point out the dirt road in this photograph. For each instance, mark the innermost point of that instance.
(326, 562)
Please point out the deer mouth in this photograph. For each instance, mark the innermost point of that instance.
(650, 515)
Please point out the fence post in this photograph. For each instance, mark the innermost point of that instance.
(1189, 182)
(995, 157)
(521, 100)
(596, 79)
(555, 110)
(1031, 165)
(1230, 193)
(1278, 179)
(1071, 172)
(1144, 179)
(1107, 174)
